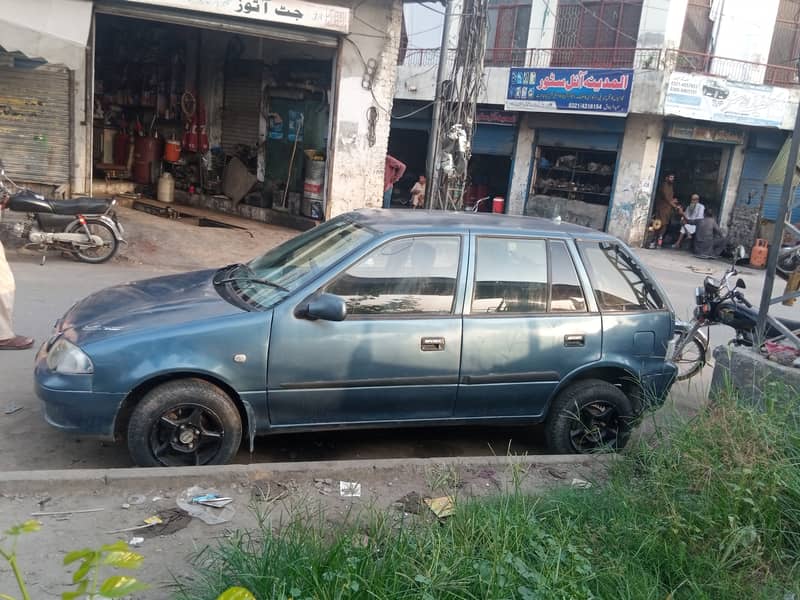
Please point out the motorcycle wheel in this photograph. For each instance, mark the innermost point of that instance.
(97, 255)
(691, 360)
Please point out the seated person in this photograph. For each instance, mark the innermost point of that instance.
(691, 217)
(709, 240)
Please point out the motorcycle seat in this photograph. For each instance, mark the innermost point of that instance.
(80, 206)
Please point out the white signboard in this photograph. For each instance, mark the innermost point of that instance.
(717, 99)
(289, 12)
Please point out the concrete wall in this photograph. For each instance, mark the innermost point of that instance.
(736, 163)
(523, 156)
(636, 174)
(661, 25)
(745, 29)
(356, 167)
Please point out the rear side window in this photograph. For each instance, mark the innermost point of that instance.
(566, 294)
(510, 276)
(619, 282)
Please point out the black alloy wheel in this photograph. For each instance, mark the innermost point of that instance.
(186, 422)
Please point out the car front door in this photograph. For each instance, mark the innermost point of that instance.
(395, 356)
(526, 326)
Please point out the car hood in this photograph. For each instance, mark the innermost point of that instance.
(159, 302)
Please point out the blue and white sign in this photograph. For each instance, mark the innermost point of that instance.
(606, 91)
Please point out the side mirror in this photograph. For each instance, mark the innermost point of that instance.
(325, 307)
(740, 284)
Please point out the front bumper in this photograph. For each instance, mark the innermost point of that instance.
(70, 405)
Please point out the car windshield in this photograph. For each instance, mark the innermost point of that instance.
(292, 264)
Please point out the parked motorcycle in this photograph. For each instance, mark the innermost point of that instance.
(720, 302)
(87, 228)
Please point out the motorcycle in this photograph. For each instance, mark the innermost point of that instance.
(87, 228)
(720, 302)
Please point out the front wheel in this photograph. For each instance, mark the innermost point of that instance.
(690, 359)
(93, 253)
(182, 423)
(589, 416)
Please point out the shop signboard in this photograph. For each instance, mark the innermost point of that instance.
(576, 91)
(290, 12)
(716, 99)
(490, 116)
(703, 133)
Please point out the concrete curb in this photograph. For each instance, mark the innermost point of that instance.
(31, 482)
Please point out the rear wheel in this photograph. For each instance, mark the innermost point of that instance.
(92, 253)
(690, 360)
(587, 417)
(182, 423)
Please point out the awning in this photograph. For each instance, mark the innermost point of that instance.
(54, 30)
(778, 170)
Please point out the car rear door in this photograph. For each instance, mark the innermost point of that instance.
(396, 355)
(527, 325)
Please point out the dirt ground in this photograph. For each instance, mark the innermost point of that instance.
(168, 548)
(184, 245)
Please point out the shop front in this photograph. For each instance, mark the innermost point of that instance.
(576, 150)
(227, 105)
(489, 168)
(225, 116)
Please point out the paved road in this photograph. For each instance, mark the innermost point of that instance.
(45, 292)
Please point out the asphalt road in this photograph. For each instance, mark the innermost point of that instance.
(46, 292)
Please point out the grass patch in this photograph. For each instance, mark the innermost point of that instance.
(712, 512)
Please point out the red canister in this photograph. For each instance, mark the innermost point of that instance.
(498, 204)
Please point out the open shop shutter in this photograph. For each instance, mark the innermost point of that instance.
(583, 140)
(497, 140)
(242, 105)
(35, 124)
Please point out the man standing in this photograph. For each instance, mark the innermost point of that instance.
(664, 205)
(8, 339)
(692, 216)
(709, 241)
(392, 173)
(418, 193)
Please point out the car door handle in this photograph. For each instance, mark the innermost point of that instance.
(574, 340)
(431, 344)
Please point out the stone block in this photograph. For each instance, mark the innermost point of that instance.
(753, 377)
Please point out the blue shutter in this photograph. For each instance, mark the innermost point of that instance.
(772, 200)
(494, 139)
(751, 184)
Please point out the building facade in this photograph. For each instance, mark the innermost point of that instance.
(300, 91)
(593, 102)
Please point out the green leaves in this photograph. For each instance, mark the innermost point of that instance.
(117, 556)
(121, 585)
(236, 593)
(26, 527)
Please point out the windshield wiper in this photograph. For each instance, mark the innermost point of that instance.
(251, 278)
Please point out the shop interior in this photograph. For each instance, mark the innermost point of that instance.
(698, 169)
(409, 146)
(211, 114)
(487, 177)
(584, 178)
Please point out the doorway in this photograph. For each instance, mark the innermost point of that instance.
(698, 169)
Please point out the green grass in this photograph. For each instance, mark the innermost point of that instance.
(712, 512)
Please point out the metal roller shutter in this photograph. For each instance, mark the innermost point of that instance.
(772, 199)
(242, 104)
(497, 140)
(584, 140)
(755, 169)
(34, 124)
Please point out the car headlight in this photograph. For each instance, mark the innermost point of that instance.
(66, 357)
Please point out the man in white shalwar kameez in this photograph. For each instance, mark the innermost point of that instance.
(8, 339)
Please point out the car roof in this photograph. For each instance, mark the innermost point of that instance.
(397, 220)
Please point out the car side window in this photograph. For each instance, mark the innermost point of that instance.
(412, 275)
(566, 294)
(510, 276)
(619, 282)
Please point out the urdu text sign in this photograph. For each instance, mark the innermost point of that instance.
(605, 91)
(290, 12)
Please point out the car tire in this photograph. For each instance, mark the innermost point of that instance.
(182, 423)
(587, 417)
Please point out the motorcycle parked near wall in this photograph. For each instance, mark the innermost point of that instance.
(87, 228)
(720, 302)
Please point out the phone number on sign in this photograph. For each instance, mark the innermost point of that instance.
(585, 105)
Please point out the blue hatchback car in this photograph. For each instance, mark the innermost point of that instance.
(373, 319)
